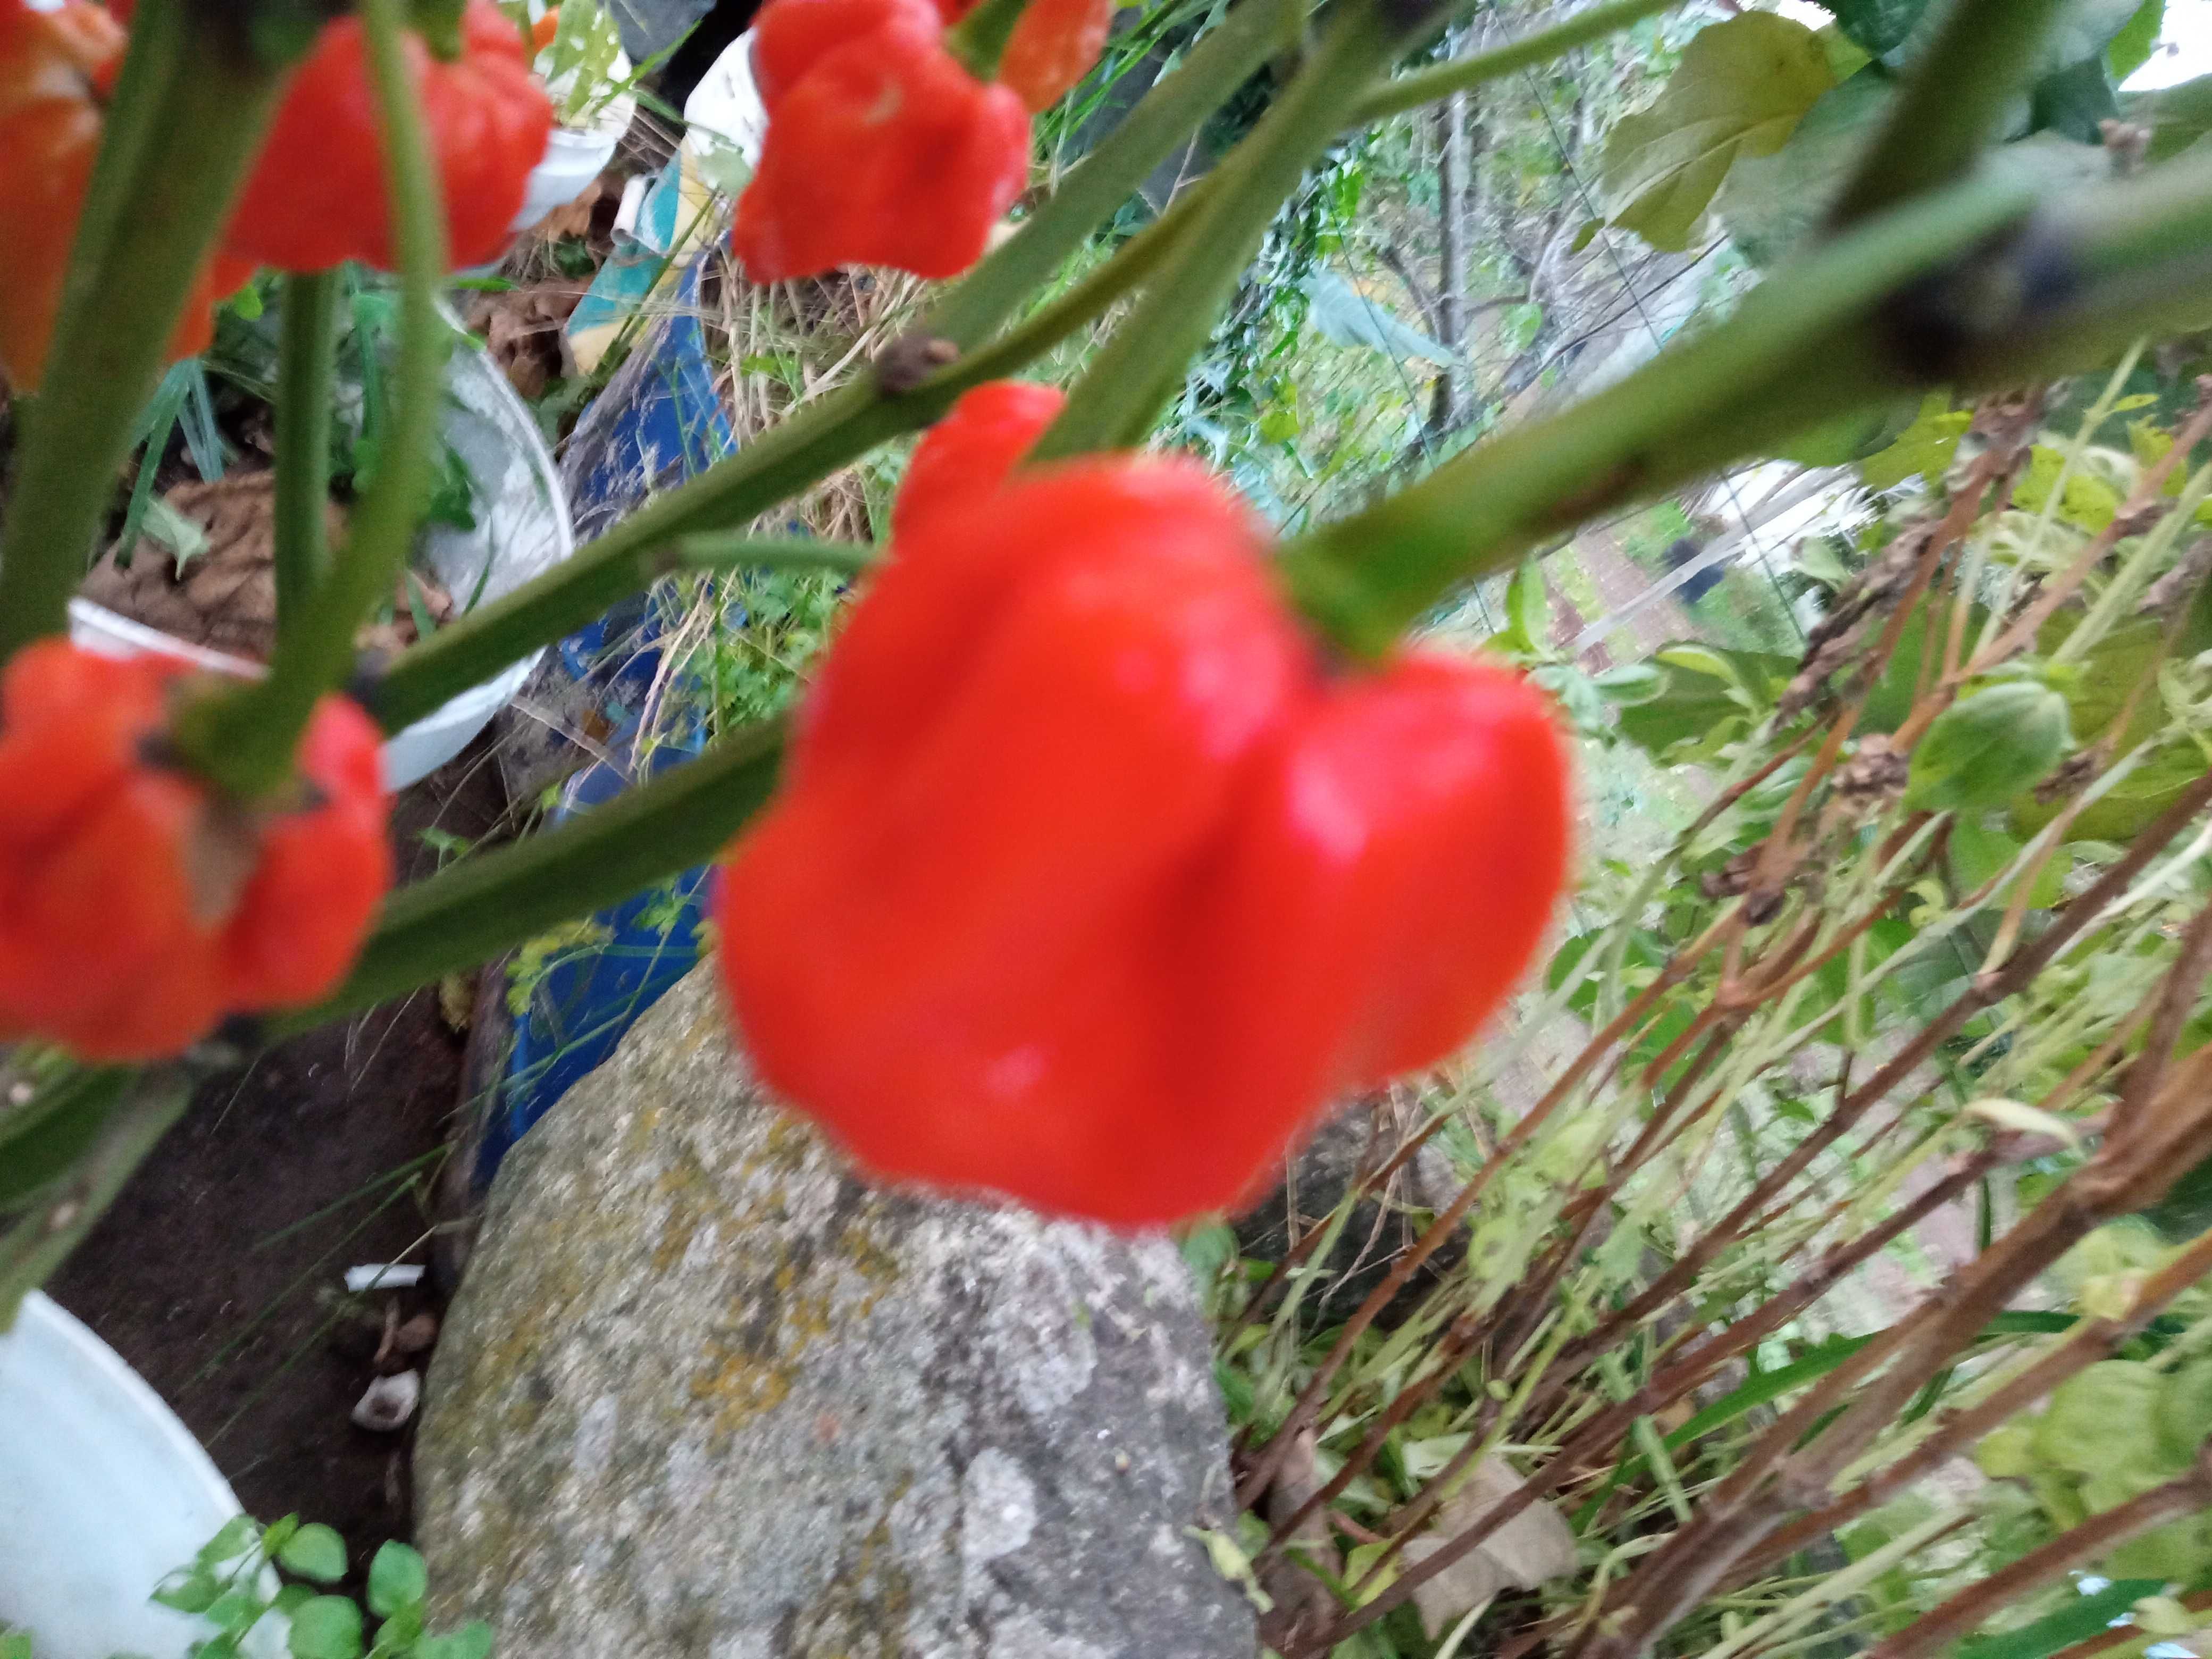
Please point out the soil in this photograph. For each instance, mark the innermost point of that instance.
(218, 1275)
(225, 598)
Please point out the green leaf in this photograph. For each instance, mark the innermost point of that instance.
(1987, 747)
(397, 1578)
(49, 1149)
(1741, 90)
(236, 1610)
(278, 1533)
(1527, 606)
(2128, 808)
(327, 1627)
(15, 1644)
(469, 1642)
(1631, 683)
(193, 1590)
(2074, 102)
(1922, 450)
(2131, 49)
(2104, 1421)
(1772, 204)
(2077, 1621)
(2178, 116)
(1878, 26)
(314, 1552)
(1586, 235)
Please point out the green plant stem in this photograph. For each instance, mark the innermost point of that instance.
(475, 909)
(846, 425)
(1958, 97)
(979, 40)
(159, 193)
(244, 738)
(1091, 192)
(306, 370)
(1441, 81)
(1855, 324)
(1132, 378)
(720, 552)
(783, 461)
(140, 1108)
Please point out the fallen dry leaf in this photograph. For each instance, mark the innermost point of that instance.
(1535, 1546)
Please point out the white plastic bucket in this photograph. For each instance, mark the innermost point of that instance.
(573, 157)
(103, 1493)
(522, 529)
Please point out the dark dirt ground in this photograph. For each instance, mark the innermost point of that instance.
(218, 1271)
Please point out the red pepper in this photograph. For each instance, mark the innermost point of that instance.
(1089, 885)
(317, 197)
(55, 66)
(881, 147)
(969, 452)
(1053, 45)
(137, 907)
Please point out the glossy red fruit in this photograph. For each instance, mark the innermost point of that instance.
(1088, 885)
(137, 907)
(1053, 45)
(881, 147)
(969, 452)
(317, 197)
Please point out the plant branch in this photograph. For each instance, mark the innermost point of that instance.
(1959, 94)
(145, 1106)
(472, 910)
(1972, 1607)
(244, 738)
(1129, 381)
(1441, 81)
(846, 425)
(164, 180)
(307, 368)
(721, 552)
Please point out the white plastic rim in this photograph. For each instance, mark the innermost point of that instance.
(103, 1493)
(573, 157)
(522, 529)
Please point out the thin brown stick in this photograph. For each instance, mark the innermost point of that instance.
(1307, 1407)
(2147, 496)
(1972, 1607)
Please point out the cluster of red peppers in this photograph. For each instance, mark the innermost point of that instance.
(138, 905)
(317, 195)
(1091, 881)
(882, 146)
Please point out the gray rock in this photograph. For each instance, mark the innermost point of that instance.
(704, 1393)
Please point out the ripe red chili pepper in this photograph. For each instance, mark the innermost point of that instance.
(881, 147)
(54, 68)
(969, 452)
(1053, 45)
(1087, 885)
(137, 907)
(317, 197)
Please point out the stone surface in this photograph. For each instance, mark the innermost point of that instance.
(704, 1393)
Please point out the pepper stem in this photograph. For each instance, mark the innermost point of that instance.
(244, 739)
(305, 369)
(189, 112)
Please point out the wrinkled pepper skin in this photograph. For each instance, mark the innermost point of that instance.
(968, 453)
(137, 909)
(1089, 885)
(54, 68)
(317, 197)
(881, 147)
(1053, 45)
